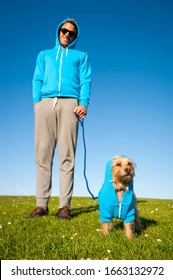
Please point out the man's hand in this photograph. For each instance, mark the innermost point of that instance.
(35, 105)
(80, 111)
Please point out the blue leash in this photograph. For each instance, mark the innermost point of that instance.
(85, 151)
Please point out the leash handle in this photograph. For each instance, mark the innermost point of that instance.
(85, 152)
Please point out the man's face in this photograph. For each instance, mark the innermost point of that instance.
(67, 34)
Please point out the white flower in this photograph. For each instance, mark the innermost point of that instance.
(159, 240)
(108, 251)
(146, 235)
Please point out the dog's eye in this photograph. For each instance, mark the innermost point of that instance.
(132, 164)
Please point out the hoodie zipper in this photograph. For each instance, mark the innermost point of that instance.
(120, 206)
(119, 212)
(60, 72)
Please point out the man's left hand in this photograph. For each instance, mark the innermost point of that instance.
(80, 111)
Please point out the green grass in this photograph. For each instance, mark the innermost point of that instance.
(48, 238)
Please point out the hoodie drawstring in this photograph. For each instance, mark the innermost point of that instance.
(57, 53)
(67, 51)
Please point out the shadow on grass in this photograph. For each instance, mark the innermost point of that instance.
(118, 224)
(141, 201)
(147, 223)
(79, 211)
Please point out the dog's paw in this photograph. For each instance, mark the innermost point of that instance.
(130, 235)
(105, 228)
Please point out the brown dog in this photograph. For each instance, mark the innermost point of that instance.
(116, 197)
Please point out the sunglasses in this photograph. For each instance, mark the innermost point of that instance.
(72, 34)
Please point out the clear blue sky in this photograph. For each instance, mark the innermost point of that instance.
(130, 46)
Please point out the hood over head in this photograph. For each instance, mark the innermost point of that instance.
(72, 44)
(108, 175)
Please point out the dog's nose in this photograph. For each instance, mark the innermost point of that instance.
(127, 170)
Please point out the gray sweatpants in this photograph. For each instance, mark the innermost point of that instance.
(55, 123)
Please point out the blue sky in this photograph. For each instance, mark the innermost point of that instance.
(130, 45)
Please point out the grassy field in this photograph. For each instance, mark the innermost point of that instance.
(48, 238)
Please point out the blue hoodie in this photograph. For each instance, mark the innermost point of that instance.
(109, 206)
(62, 72)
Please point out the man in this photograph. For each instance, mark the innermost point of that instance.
(61, 93)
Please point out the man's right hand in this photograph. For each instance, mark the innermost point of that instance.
(35, 105)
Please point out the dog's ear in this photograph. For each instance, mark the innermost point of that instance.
(115, 161)
(134, 164)
(114, 158)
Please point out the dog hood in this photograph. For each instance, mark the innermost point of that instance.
(108, 175)
(109, 205)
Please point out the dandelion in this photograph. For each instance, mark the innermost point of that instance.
(75, 234)
(4, 213)
(146, 235)
(97, 229)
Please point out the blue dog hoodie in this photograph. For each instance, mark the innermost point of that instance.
(109, 206)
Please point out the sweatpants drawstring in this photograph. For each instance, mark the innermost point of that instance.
(55, 101)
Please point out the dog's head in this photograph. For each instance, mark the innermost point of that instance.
(123, 170)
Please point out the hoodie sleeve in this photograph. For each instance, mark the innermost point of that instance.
(38, 78)
(104, 205)
(85, 81)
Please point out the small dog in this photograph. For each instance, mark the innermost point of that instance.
(117, 198)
